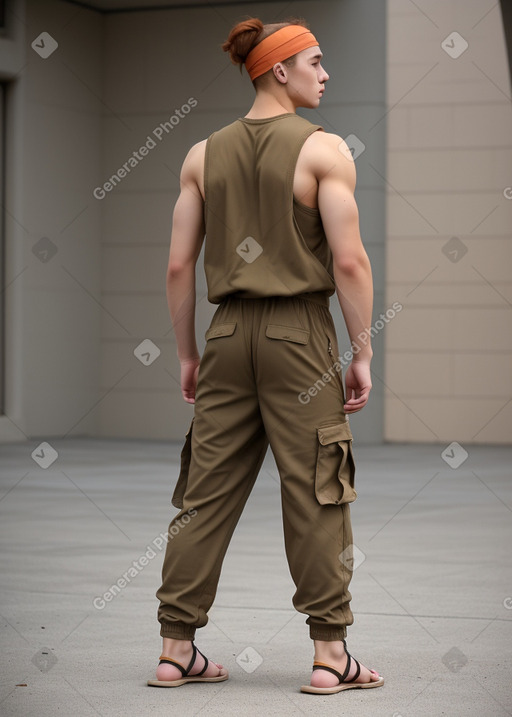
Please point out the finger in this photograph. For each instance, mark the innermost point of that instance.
(361, 396)
(353, 409)
(357, 401)
(355, 404)
(188, 395)
(349, 411)
(362, 392)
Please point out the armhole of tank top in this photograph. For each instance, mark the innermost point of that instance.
(206, 171)
(293, 164)
(310, 211)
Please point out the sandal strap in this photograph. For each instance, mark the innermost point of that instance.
(169, 661)
(358, 672)
(206, 663)
(349, 665)
(184, 670)
(323, 666)
(341, 677)
(192, 659)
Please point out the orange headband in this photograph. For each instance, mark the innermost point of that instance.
(278, 47)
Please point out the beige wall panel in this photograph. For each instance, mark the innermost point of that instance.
(445, 420)
(448, 213)
(420, 329)
(474, 124)
(468, 169)
(420, 374)
(437, 294)
(486, 375)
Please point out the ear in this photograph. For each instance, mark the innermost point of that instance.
(280, 74)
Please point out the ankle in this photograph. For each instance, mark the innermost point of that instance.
(333, 650)
(172, 646)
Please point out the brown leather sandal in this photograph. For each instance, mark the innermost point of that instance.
(186, 677)
(343, 685)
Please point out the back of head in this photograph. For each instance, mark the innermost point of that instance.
(246, 35)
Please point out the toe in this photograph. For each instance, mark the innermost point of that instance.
(216, 670)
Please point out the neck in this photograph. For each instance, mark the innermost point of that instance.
(267, 104)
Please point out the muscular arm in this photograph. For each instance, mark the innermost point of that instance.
(352, 270)
(186, 240)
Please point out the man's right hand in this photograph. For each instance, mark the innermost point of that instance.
(358, 384)
(189, 371)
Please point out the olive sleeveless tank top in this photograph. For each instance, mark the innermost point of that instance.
(260, 241)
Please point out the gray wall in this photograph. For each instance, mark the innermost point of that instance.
(53, 157)
(75, 320)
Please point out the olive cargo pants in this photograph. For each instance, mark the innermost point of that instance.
(261, 358)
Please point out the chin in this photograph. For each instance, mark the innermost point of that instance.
(310, 104)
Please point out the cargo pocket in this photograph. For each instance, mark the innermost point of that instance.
(219, 330)
(181, 485)
(335, 467)
(287, 333)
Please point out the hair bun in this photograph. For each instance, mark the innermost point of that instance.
(242, 39)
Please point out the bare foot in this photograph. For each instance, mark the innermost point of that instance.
(181, 651)
(334, 655)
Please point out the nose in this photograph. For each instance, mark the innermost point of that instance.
(325, 76)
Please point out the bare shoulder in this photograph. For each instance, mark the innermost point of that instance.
(326, 152)
(327, 143)
(195, 158)
(192, 170)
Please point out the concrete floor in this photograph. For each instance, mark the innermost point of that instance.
(432, 597)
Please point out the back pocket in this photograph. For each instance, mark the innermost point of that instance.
(335, 467)
(219, 330)
(287, 333)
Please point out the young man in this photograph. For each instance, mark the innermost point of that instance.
(275, 196)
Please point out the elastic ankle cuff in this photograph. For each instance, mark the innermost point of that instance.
(178, 631)
(327, 633)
